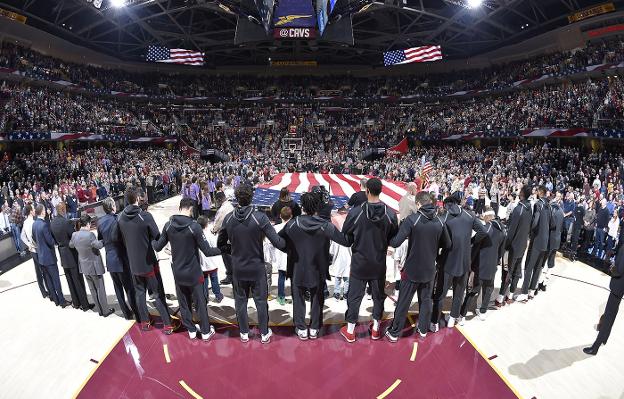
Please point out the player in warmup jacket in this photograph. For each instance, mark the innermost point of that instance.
(186, 237)
(455, 261)
(308, 264)
(516, 244)
(554, 241)
(245, 229)
(486, 260)
(136, 229)
(426, 235)
(367, 229)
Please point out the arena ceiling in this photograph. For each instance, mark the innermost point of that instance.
(210, 25)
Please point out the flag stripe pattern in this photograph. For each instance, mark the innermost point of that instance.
(413, 54)
(174, 55)
(340, 187)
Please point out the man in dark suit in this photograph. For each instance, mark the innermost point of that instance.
(116, 260)
(62, 230)
(46, 256)
(613, 303)
(516, 244)
(455, 261)
(538, 245)
(426, 234)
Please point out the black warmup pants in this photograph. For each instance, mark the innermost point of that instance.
(77, 289)
(141, 285)
(446, 281)
(259, 291)
(533, 269)
(483, 287)
(574, 240)
(122, 281)
(608, 318)
(511, 276)
(406, 295)
(550, 258)
(227, 261)
(186, 296)
(317, 298)
(357, 289)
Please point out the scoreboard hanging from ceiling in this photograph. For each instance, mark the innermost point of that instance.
(294, 14)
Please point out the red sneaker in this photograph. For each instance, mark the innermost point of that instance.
(375, 334)
(499, 304)
(350, 338)
(168, 330)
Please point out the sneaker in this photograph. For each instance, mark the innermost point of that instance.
(434, 327)
(314, 333)
(375, 334)
(226, 281)
(450, 321)
(391, 337)
(422, 334)
(168, 329)
(481, 315)
(206, 337)
(509, 299)
(531, 295)
(302, 334)
(499, 301)
(146, 326)
(281, 300)
(270, 297)
(266, 338)
(460, 320)
(219, 298)
(350, 338)
(522, 298)
(244, 337)
(193, 335)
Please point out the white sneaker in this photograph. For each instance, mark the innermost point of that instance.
(302, 334)
(531, 295)
(206, 337)
(266, 338)
(510, 296)
(500, 298)
(481, 316)
(193, 335)
(314, 333)
(460, 320)
(450, 322)
(244, 337)
(522, 298)
(434, 327)
(422, 334)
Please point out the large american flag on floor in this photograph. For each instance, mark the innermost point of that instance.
(340, 187)
(174, 55)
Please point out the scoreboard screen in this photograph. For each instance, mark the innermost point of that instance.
(294, 14)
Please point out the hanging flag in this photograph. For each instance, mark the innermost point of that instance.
(174, 56)
(413, 54)
(400, 148)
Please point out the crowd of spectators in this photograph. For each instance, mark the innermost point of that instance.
(37, 65)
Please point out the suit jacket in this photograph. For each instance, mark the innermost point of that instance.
(88, 248)
(62, 230)
(46, 254)
(116, 260)
(540, 225)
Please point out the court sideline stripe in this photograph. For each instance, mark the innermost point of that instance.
(496, 370)
(77, 392)
(389, 390)
(166, 352)
(414, 350)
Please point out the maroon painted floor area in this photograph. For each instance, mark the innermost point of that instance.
(446, 366)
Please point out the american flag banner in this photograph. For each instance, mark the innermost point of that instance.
(340, 187)
(78, 136)
(413, 54)
(174, 55)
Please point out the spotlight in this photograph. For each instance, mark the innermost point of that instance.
(474, 3)
(118, 3)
